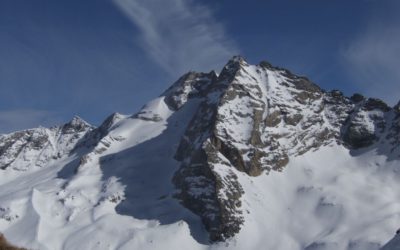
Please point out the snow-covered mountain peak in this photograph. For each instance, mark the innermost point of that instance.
(78, 121)
(235, 62)
(252, 152)
(76, 124)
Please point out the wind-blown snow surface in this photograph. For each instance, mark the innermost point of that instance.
(41, 211)
(114, 190)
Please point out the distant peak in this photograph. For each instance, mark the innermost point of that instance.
(235, 63)
(110, 121)
(232, 66)
(375, 103)
(190, 84)
(266, 64)
(76, 120)
(237, 60)
(357, 98)
(76, 124)
(191, 75)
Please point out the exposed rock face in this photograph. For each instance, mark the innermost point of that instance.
(36, 147)
(253, 118)
(213, 196)
(190, 85)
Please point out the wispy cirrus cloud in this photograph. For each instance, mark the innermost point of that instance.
(373, 57)
(179, 35)
(14, 120)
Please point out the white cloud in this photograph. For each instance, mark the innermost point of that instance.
(373, 59)
(179, 35)
(14, 120)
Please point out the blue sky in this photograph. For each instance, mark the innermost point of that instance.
(94, 57)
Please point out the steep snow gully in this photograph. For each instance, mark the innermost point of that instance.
(254, 157)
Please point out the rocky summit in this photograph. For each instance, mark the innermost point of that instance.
(254, 157)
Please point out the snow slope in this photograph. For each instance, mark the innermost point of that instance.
(202, 160)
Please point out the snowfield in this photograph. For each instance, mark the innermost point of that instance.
(327, 199)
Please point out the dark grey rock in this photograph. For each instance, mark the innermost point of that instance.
(364, 126)
(358, 137)
(373, 103)
(190, 85)
(357, 98)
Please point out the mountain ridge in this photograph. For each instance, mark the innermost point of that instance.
(214, 134)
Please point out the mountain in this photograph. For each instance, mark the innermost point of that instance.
(254, 157)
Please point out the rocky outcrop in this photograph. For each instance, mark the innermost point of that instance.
(213, 196)
(4, 245)
(190, 85)
(366, 123)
